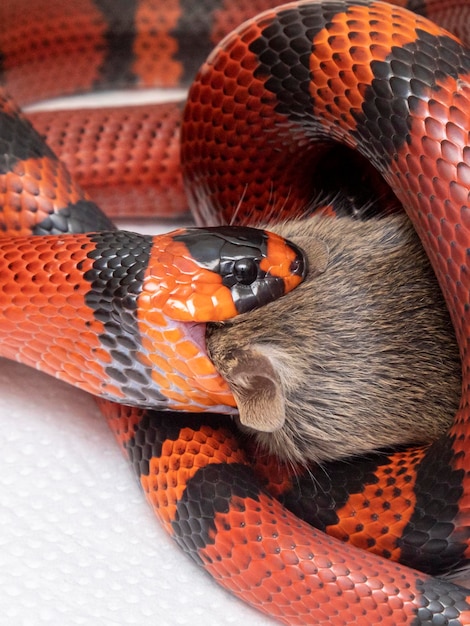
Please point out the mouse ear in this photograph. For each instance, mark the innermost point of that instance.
(257, 391)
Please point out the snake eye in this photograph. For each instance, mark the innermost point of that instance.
(245, 271)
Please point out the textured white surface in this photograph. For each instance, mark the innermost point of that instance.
(78, 543)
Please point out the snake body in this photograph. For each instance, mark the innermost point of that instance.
(394, 87)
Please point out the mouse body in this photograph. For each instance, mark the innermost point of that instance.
(360, 357)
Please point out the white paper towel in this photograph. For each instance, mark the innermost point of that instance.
(78, 543)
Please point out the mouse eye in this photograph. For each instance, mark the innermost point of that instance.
(245, 271)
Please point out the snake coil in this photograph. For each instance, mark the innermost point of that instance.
(383, 81)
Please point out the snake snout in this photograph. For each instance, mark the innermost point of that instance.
(299, 266)
(235, 270)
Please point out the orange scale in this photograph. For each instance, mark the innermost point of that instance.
(194, 439)
(15, 314)
(89, 350)
(62, 247)
(227, 450)
(189, 281)
(172, 335)
(51, 361)
(213, 391)
(145, 354)
(150, 288)
(201, 366)
(186, 265)
(159, 361)
(10, 350)
(40, 278)
(11, 315)
(223, 306)
(463, 174)
(177, 380)
(75, 282)
(182, 367)
(30, 184)
(458, 193)
(154, 337)
(67, 267)
(144, 358)
(176, 310)
(58, 300)
(93, 366)
(20, 300)
(80, 355)
(160, 508)
(152, 316)
(41, 246)
(203, 307)
(48, 261)
(31, 262)
(208, 452)
(156, 477)
(186, 349)
(9, 288)
(161, 380)
(183, 288)
(78, 252)
(79, 322)
(35, 319)
(197, 403)
(447, 170)
(176, 396)
(93, 382)
(157, 300)
(45, 253)
(164, 260)
(102, 384)
(188, 460)
(102, 388)
(218, 393)
(210, 399)
(15, 264)
(73, 371)
(28, 288)
(166, 270)
(457, 135)
(61, 346)
(32, 354)
(48, 310)
(64, 309)
(9, 251)
(166, 351)
(209, 288)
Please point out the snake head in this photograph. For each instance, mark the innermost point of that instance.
(219, 272)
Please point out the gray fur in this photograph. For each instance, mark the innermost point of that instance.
(359, 357)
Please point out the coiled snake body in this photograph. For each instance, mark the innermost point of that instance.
(384, 82)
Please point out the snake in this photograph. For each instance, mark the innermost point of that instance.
(383, 81)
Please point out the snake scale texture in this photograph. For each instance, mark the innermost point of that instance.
(377, 78)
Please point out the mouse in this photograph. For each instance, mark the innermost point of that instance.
(360, 357)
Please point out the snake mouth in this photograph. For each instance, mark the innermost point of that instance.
(198, 376)
(196, 333)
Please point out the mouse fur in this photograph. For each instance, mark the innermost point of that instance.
(361, 356)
